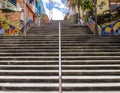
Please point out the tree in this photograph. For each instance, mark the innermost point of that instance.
(73, 3)
(79, 3)
(87, 5)
(95, 15)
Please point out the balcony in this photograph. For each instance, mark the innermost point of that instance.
(7, 5)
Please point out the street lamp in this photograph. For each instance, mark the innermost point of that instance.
(51, 15)
(49, 8)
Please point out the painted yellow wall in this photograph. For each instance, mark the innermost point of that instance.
(105, 7)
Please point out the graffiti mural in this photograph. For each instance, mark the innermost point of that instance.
(91, 25)
(116, 28)
(7, 29)
(1, 28)
(111, 29)
(106, 29)
(44, 18)
(74, 18)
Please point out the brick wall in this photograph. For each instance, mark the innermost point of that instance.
(29, 12)
(14, 17)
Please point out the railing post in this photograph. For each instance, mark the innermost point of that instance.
(60, 61)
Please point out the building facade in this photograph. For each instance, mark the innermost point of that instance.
(16, 12)
(102, 5)
(114, 4)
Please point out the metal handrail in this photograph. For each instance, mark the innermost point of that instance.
(23, 28)
(60, 61)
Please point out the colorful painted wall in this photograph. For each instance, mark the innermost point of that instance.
(111, 29)
(91, 25)
(74, 18)
(9, 30)
(107, 29)
(44, 18)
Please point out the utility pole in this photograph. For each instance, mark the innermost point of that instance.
(24, 17)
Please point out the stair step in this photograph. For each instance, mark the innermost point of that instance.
(30, 64)
(58, 92)
(34, 92)
(50, 53)
(35, 71)
(64, 77)
(55, 85)
(21, 50)
(56, 47)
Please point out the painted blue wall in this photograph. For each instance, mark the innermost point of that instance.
(40, 7)
(13, 1)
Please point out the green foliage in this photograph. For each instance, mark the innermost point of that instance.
(87, 5)
(103, 3)
(4, 19)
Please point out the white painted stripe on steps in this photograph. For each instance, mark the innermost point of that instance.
(91, 92)
(85, 71)
(55, 52)
(87, 57)
(58, 92)
(29, 77)
(91, 77)
(56, 77)
(80, 71)
(29, 66)
(56, 46)
(29, 57)
(58, 66)
(90, 65)
(28, 71)
(68, 61)
(70, 85)
(28, 61)
(30, 53)
(29, 85)
(29, 92)
(97, 61)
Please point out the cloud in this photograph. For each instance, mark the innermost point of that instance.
(57, 15)
(57, 7)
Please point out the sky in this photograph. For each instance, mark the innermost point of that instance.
(56, 9)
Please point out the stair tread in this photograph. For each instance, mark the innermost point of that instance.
(57, 77)
(30, 64)
(36, 71)
(56, 85)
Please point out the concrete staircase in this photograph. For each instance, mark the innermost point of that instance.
(90, 63)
